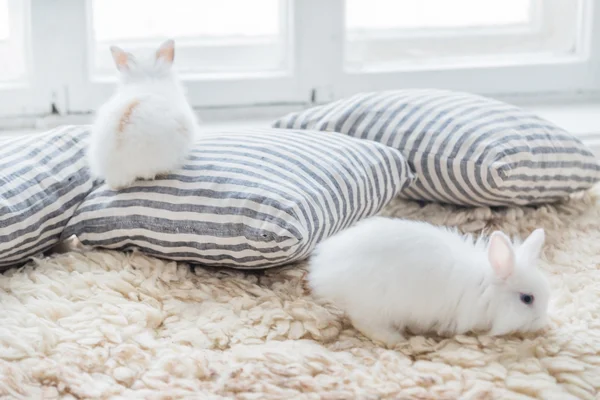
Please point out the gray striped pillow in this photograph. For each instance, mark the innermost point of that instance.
(43, 178)
(247, 199)
(464, 149)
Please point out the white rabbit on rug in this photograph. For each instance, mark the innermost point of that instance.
(389, 275)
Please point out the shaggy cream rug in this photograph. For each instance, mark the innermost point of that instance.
(109, 325)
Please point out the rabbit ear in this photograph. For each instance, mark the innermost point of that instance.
(121, 58)
(501, 255)
(166, 52)
(532, 246)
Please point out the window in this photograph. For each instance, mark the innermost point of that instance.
(211, 39)
(500, 47)
(388, 33)
(13, 66)
(249, 54)
(17, 91)
(230, 52)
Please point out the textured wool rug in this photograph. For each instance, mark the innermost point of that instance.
(111, 325)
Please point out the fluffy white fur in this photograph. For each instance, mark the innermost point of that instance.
(390, 274)
(147, 127)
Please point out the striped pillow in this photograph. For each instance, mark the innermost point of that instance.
(247, 199)
(464, 149)
(43, 178)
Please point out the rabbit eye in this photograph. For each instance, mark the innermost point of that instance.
(527, 298)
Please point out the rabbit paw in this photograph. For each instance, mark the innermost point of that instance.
(118, 184)
(379, 332)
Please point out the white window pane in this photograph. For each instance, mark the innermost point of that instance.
(3, 20)
(12, 40)
(383, 34)
(416, 14)
(211, 36)
(116, 20)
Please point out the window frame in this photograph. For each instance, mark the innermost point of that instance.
(517, 76)
(24, 96)
(85, 92)
(452, 40)
(59, 76)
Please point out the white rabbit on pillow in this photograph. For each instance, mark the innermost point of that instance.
(147, 127)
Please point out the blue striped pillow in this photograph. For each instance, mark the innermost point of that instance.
(43, 178)
(247, 199)
(464, 149)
